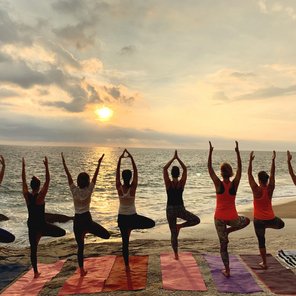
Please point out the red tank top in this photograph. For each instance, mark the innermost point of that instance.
(262, 206)
(225, 204)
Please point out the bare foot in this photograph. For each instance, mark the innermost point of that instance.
(176, 256)
(36, 274)
(263, 265)
(83, 272)
(226, 273)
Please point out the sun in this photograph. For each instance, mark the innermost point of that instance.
(104, 113)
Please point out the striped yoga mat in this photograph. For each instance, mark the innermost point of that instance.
(288, 258)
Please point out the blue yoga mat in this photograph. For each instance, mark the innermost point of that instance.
(9, 272)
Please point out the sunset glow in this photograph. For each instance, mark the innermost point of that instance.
(104, 113)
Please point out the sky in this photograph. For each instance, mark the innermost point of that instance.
(176, 74)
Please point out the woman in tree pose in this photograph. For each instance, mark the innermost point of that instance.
(291, 172)
(225, 213)
(264, 216)
(128, 219)
(5, 236)
(35, 201)
(175, 205)
(83, 222)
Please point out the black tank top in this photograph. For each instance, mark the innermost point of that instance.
(36, 212)
(175, 196)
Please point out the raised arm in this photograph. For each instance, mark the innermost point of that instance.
(238, 174)
(254, 186)
(70, 180)
(2, 161)
(166, 177)
(94, 179)
(118, 182)
(24, 181)
(291, 172)
(44, 189)
(184, 169)
(272, 171)
(212, 173)
(134, 183)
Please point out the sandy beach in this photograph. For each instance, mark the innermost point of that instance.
(198, 240)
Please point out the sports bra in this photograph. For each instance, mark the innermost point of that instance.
(126, 203)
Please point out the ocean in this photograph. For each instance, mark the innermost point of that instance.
(199, 194)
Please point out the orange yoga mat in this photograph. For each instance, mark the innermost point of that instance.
(28, 286)
(135, 279)
(182, 274)
(98, 269)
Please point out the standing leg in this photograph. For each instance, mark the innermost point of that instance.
(34, 238)
(172, 220)
(259, 226)
(125, 235)
(79, 237)
(223, 238)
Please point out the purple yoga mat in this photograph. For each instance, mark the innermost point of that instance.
(240, 281)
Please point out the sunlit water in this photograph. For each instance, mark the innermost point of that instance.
(199, 195)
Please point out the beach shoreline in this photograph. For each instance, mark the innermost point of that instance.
(198, 240)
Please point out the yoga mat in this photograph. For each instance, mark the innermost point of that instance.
(135, 279)
(182, 274)
(9, 272)
(240, 280)
(98, 269)
(288, 258)
(277, 278)
(28, 286)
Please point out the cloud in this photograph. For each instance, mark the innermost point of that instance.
(269, 92)
(74, 130)
(117, 93)
(79, 35)
(220, 96)
(7, 93)
(242, 75)
(128, 50)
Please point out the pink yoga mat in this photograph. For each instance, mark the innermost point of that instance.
(182, 274)
(98, 270)
(28, 286)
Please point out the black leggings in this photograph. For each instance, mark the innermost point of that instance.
(261, 225)
(126, 224)
(35, 233)
(6, 236)
(83, 224)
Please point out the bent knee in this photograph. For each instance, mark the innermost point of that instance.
(282, 225)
